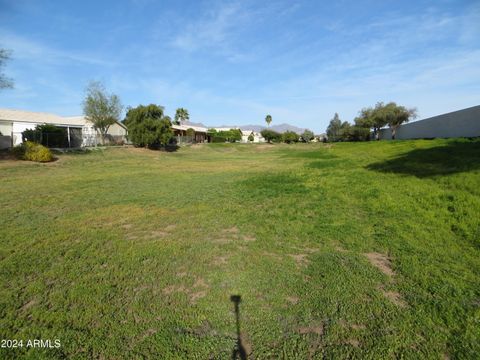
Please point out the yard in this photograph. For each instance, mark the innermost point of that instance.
(338, 251)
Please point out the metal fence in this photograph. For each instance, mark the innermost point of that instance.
(98, 140)
(185, 139)
(71, 139)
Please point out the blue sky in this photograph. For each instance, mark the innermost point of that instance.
(233, 62)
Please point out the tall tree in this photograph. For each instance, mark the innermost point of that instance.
(334, 128)
(5, 82)
(397, 115)
(101, 108)
(372, 118)
(181, 115)
(148, 126)
(268, 119)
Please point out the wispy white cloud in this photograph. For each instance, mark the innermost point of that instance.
(33, 50)
(211, 30)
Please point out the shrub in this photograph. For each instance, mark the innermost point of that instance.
(33, 152)
(232, 135)
(290, 137)
(219, 139)
(271, 135)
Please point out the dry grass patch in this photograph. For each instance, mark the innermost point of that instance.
(300, 259)
(312, 329)
(396, 298)
(381, 262)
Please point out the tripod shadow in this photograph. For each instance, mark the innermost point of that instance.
(239, 350)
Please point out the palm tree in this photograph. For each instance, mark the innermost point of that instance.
(181, 115)
(268, 119)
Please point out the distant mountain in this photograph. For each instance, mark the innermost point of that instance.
(193, 124)
(287, 127)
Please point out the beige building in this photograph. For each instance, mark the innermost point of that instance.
(79, 131)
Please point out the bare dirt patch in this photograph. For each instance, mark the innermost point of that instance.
(248, 238)
(221, 260)
(170, 227)
(292, 300)
(148, 333)
(246, 343)
(158, 233)
(28, 305)
(197, 295)
(381, 262)
(300, 259)
(232, 235)
(353, 342)
(232, 230)
(358, 327)
(312, 329)
(173, 289)
(395, 297)
(182, 274)
(198, 290)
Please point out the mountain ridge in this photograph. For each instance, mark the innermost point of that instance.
(281, 128)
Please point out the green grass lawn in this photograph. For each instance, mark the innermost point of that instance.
(355, 250)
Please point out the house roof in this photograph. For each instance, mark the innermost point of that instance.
(44, 118)
(186, 127)
(35, 117)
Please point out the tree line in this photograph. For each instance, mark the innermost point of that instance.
(370, 120)
(148, 125)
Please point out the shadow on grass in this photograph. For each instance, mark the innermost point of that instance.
(239, 351)
(454, 157)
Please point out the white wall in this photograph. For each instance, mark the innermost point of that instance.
(462, 123)
(18, 128)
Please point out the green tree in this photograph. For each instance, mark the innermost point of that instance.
(270, 135)
(190, 132)
(397, 115)
(231, 135)
(290, 137)
(100, 108)
(5, 82)
(334, 128)
(345, 133)
(251, 137)
(181, 115)
(307, 135)
(148, 126)
(359, 133)
(268, 119)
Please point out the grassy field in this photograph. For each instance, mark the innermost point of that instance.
(355, 250)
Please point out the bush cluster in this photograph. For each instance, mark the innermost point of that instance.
(232, 135)
(33, 152)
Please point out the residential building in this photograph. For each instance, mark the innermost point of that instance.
(79, 131)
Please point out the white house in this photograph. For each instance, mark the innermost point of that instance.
(257, 137)
(79, 131)
(180, 132)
